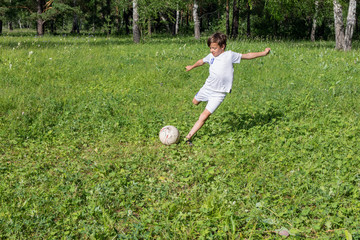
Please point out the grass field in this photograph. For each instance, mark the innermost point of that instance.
(80, 155)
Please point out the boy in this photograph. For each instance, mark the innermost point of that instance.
(221, 74)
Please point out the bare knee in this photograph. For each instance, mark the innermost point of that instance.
(196, 102)
(204, 116)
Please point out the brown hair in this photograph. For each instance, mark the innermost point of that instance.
(218, 38)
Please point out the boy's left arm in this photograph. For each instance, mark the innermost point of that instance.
(248, 56)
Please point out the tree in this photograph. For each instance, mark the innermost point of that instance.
(2, 13)
(39, 21)
(136, 29)
(177, 19)
(196, 20)
(313, 28)
(76, 25)
(343, 38)
(350, 24)
(235, 22)
(281, 18)
(39, 11)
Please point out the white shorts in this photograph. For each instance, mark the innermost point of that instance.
(213, 98)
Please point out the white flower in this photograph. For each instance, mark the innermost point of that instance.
(30, 53)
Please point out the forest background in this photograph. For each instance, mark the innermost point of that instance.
(291, 19)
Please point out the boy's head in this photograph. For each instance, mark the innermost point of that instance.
(218, 38)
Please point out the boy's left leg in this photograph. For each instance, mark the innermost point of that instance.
(199, 123)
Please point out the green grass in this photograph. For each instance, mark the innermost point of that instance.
(80, 155)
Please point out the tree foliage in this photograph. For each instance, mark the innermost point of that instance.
(257, 18)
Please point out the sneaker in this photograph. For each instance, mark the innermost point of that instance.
(189, 143)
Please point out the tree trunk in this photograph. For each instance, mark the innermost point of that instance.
(350, 24)
(177, 20)
(314, 24)
(117, 20)
(136, 30)
(39, 21)
(75, 26)
(10, 26)
(196, 20)
(339, 25)
(40, 27)
(227, 18)
(343, 37)
(1, 26)
(235, 23)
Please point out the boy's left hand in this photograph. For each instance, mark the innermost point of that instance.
(188, 68)
(267, 50)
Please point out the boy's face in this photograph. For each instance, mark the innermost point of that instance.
(216, 50)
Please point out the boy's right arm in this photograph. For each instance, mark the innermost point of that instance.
(197, 64)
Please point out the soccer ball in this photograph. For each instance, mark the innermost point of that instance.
(169, 135)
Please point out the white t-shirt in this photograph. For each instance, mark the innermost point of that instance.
(221, 70)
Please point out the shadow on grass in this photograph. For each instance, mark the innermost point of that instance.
(244, 121)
